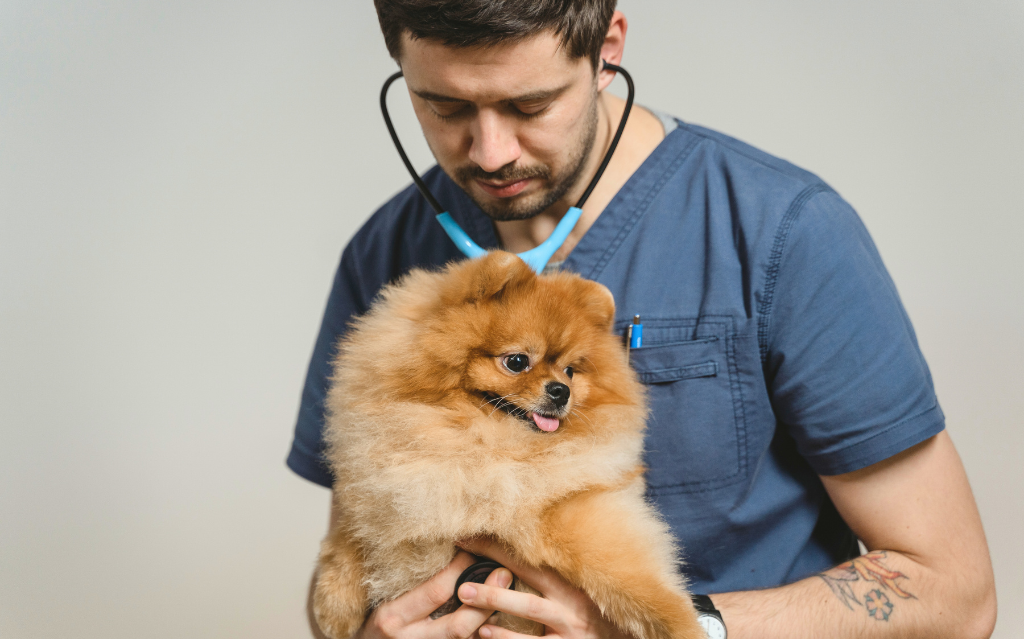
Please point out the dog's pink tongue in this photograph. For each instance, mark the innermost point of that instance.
(546, 424)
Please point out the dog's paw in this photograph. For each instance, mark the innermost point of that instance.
(686, 627)
(667, 614)
(677, 622)
(336, 612)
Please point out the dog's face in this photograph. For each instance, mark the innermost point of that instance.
(535, 354)
(534, 389)
(536, 344)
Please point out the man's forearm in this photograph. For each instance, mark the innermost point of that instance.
(881, 594)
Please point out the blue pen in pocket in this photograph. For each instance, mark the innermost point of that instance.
(634, 335)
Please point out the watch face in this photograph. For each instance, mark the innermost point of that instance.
(713, 626)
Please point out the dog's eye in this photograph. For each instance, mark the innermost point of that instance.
(569, 371)
(517, 363)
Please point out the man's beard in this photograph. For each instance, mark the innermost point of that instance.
(506, 210)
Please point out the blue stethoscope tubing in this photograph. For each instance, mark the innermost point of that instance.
(537, 258)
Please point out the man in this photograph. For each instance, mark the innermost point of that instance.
(792, 412)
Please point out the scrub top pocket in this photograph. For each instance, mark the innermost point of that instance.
(695, 425)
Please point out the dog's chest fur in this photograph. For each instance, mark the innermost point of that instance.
(409, 499)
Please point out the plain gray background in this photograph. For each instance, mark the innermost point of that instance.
(177, 180)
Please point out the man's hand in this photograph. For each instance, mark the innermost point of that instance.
(408, 617)
(566, 612)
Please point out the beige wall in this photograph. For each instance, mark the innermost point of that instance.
(177, 180)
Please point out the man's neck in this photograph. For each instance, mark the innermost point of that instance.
(642, 135)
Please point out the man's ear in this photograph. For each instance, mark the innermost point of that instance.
(612, 48)
(489, 276)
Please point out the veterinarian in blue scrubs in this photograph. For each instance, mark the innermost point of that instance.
(790, 400)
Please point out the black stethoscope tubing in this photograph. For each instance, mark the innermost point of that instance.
(421, 185)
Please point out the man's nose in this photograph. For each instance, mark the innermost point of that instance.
(494, 142)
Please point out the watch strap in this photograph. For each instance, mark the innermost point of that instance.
(704, 604)
(706, 609)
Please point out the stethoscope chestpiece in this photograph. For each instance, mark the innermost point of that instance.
(476, 574)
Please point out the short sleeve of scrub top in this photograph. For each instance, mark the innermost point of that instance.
(844, 368)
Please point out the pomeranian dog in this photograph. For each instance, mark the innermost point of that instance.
(484, 399)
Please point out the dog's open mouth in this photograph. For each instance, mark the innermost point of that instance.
(538, 421)
(545, 423)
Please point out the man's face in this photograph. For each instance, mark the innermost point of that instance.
(512, 124)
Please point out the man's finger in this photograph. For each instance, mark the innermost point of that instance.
(517, 604)
(490, 631)
(427, 597)
(465, 621)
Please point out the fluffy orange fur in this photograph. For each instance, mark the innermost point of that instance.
(424, 454)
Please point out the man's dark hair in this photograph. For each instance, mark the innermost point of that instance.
(581, 24)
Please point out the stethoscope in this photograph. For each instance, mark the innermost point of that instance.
(537, 258)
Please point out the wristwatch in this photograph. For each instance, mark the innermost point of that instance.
(708, 617)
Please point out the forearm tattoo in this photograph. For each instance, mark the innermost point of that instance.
(867, 583)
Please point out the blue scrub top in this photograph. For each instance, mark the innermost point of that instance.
(775, 345)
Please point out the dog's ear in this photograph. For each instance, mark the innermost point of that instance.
(491, 275)
(599, 304)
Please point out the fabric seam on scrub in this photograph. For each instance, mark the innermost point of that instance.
(764, 309)
(823, 463)
(738, 403)
(740, 148)
(679, 373)
(640, 209)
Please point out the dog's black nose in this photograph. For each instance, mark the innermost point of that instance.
(558, 392)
